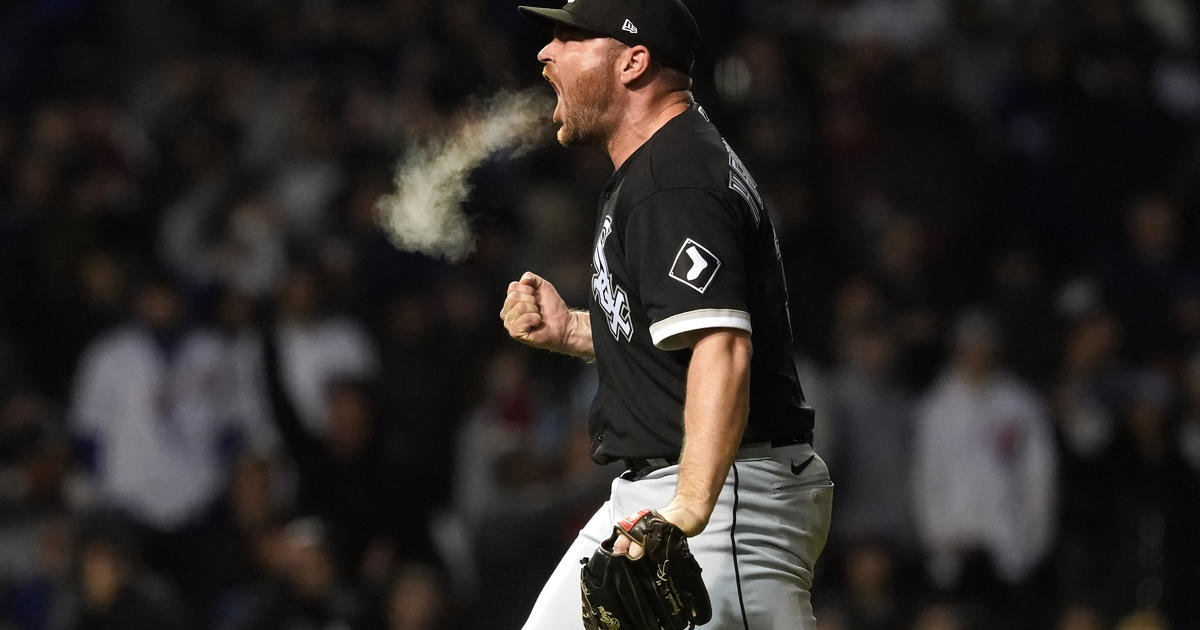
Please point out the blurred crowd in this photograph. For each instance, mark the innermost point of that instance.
(226, 401)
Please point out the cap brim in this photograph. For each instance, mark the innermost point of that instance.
(552, 17)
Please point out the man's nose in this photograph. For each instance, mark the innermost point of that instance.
(544, 55)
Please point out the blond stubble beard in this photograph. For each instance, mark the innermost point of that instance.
(587, 114)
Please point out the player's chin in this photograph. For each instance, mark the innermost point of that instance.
(570, 135)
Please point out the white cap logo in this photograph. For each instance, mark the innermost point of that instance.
(628, 26)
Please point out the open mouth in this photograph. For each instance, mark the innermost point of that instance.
(557, 91)
(553, 84)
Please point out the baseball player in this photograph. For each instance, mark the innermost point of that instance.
(687, 323)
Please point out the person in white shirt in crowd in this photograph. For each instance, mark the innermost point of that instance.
(316, 347)
(984, 469)
(151, 400)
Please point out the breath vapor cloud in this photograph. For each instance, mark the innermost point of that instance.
(424, 213)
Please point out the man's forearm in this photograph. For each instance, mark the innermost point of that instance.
(714, 418)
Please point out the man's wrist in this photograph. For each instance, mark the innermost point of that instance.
(572, 332)
(683, 514)
(578, 335)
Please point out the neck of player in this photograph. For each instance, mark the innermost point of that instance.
(641, 120)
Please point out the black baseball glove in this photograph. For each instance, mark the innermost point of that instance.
(661, 590)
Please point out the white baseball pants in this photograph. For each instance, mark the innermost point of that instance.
(757, 553)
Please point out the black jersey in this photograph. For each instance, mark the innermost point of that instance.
(683, 243)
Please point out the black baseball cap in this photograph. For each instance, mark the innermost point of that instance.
(665, 27)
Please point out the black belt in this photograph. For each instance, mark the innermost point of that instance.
(638, 467)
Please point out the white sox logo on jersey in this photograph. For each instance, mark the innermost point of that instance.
(695, 265)
(610, 297)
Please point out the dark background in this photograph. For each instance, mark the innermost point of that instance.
(996, 195)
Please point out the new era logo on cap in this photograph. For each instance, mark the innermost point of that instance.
(628, 26)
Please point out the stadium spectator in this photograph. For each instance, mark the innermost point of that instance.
(1091, 384)
(1087, 402)
(873, 600)
(238, 331)
(1145, 279)
(317, 347)
(419, 599)
(313, 593)
(41, 496)
(351, 476)
(228, 555)
(499, 458)
(111, 590)
(524, 476)
(984, 477)
(422, 406)
(151, 406)
(1153, 533)
(872, 416)
(1020, 290)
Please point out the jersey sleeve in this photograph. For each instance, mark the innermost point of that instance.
(686, 248)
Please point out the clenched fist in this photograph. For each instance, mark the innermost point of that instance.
(534, 314)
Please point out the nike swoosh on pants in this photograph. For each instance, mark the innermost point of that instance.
(799, 468)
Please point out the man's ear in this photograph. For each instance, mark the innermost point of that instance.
(635, 62)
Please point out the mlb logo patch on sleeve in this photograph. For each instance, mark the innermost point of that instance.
(694, 265)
